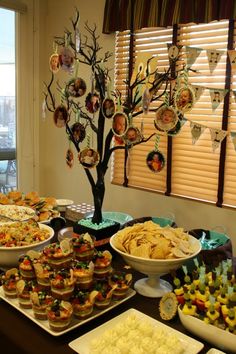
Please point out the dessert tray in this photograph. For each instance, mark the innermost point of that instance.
(75, 322)
(82, 344)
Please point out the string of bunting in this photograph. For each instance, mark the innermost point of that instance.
(216, 94)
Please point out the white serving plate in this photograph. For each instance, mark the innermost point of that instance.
(16, 212)
(82, 344)
(63, 203)
(212, 334)
(75, 322)
(215, 351)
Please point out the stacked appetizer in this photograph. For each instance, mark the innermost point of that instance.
(66, 279)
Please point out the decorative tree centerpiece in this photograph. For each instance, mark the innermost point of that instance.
(85, 109)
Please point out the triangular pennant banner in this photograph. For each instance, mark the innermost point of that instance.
(217, 136)
(234, 93)
(198, 90)
(217, 95)
(213, 56)
(192, 53)
(173, 51)
(196, 131)
(232, 58)
(233, 137)
(140, 67)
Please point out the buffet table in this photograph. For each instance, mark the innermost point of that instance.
(19, 334)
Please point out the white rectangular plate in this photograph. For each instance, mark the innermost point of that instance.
(82, 344)
(75, 322)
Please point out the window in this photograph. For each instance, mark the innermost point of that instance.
(7, 101)
(194, 170)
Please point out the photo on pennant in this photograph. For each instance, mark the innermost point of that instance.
(108, 107)
(155, 161)
(54, 63)
(76, 87)
(166, 118)
(92, 102)
(88, 158)
(60, 116)
(66, 59)
(120, 123)
(173, 52)
(132, 135)
(184, 98)
(78, 131)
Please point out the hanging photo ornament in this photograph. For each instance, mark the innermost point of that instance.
(108, 104)
(78, 131)
(89, 157)
(66, 59)
(69, 158)
(92, 102)
(54, 63)
(132, 135)
(108, 107)
(120, 123)
(184, 98)
(155, 159)
(166, 118)
(76, 87)
(61, 116)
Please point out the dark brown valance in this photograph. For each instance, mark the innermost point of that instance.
(121, 15)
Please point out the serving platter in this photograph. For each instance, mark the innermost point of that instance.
(74, 322)
(220, 338)
(82, 344)
(9, 213)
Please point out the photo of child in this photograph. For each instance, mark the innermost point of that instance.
(155, 161)
(66, 59)
(120, 123)
(132, 135)
(184, 99)
(60, 116)
(108, 107)
(88, 158)
(54, 63)
(166, 118)
(76, 87)
(78, 131)
(92, 103)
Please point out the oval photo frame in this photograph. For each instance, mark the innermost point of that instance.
(166, 118)
(89, 158)
(76, 87)
(92, 102)
(78, 131)
(119, 123)
(132, 135)
(61, 116)
(54, 63)
(184, 98)
(108, 107)
(66, 59)
(155, 161)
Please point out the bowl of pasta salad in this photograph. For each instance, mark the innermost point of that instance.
(17, 238)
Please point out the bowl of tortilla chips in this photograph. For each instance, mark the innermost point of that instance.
(154, 251)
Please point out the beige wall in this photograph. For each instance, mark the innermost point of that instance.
(58, 180)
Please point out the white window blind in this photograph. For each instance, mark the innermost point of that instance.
(194, 167)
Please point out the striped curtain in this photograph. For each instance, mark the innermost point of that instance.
(121, 15)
